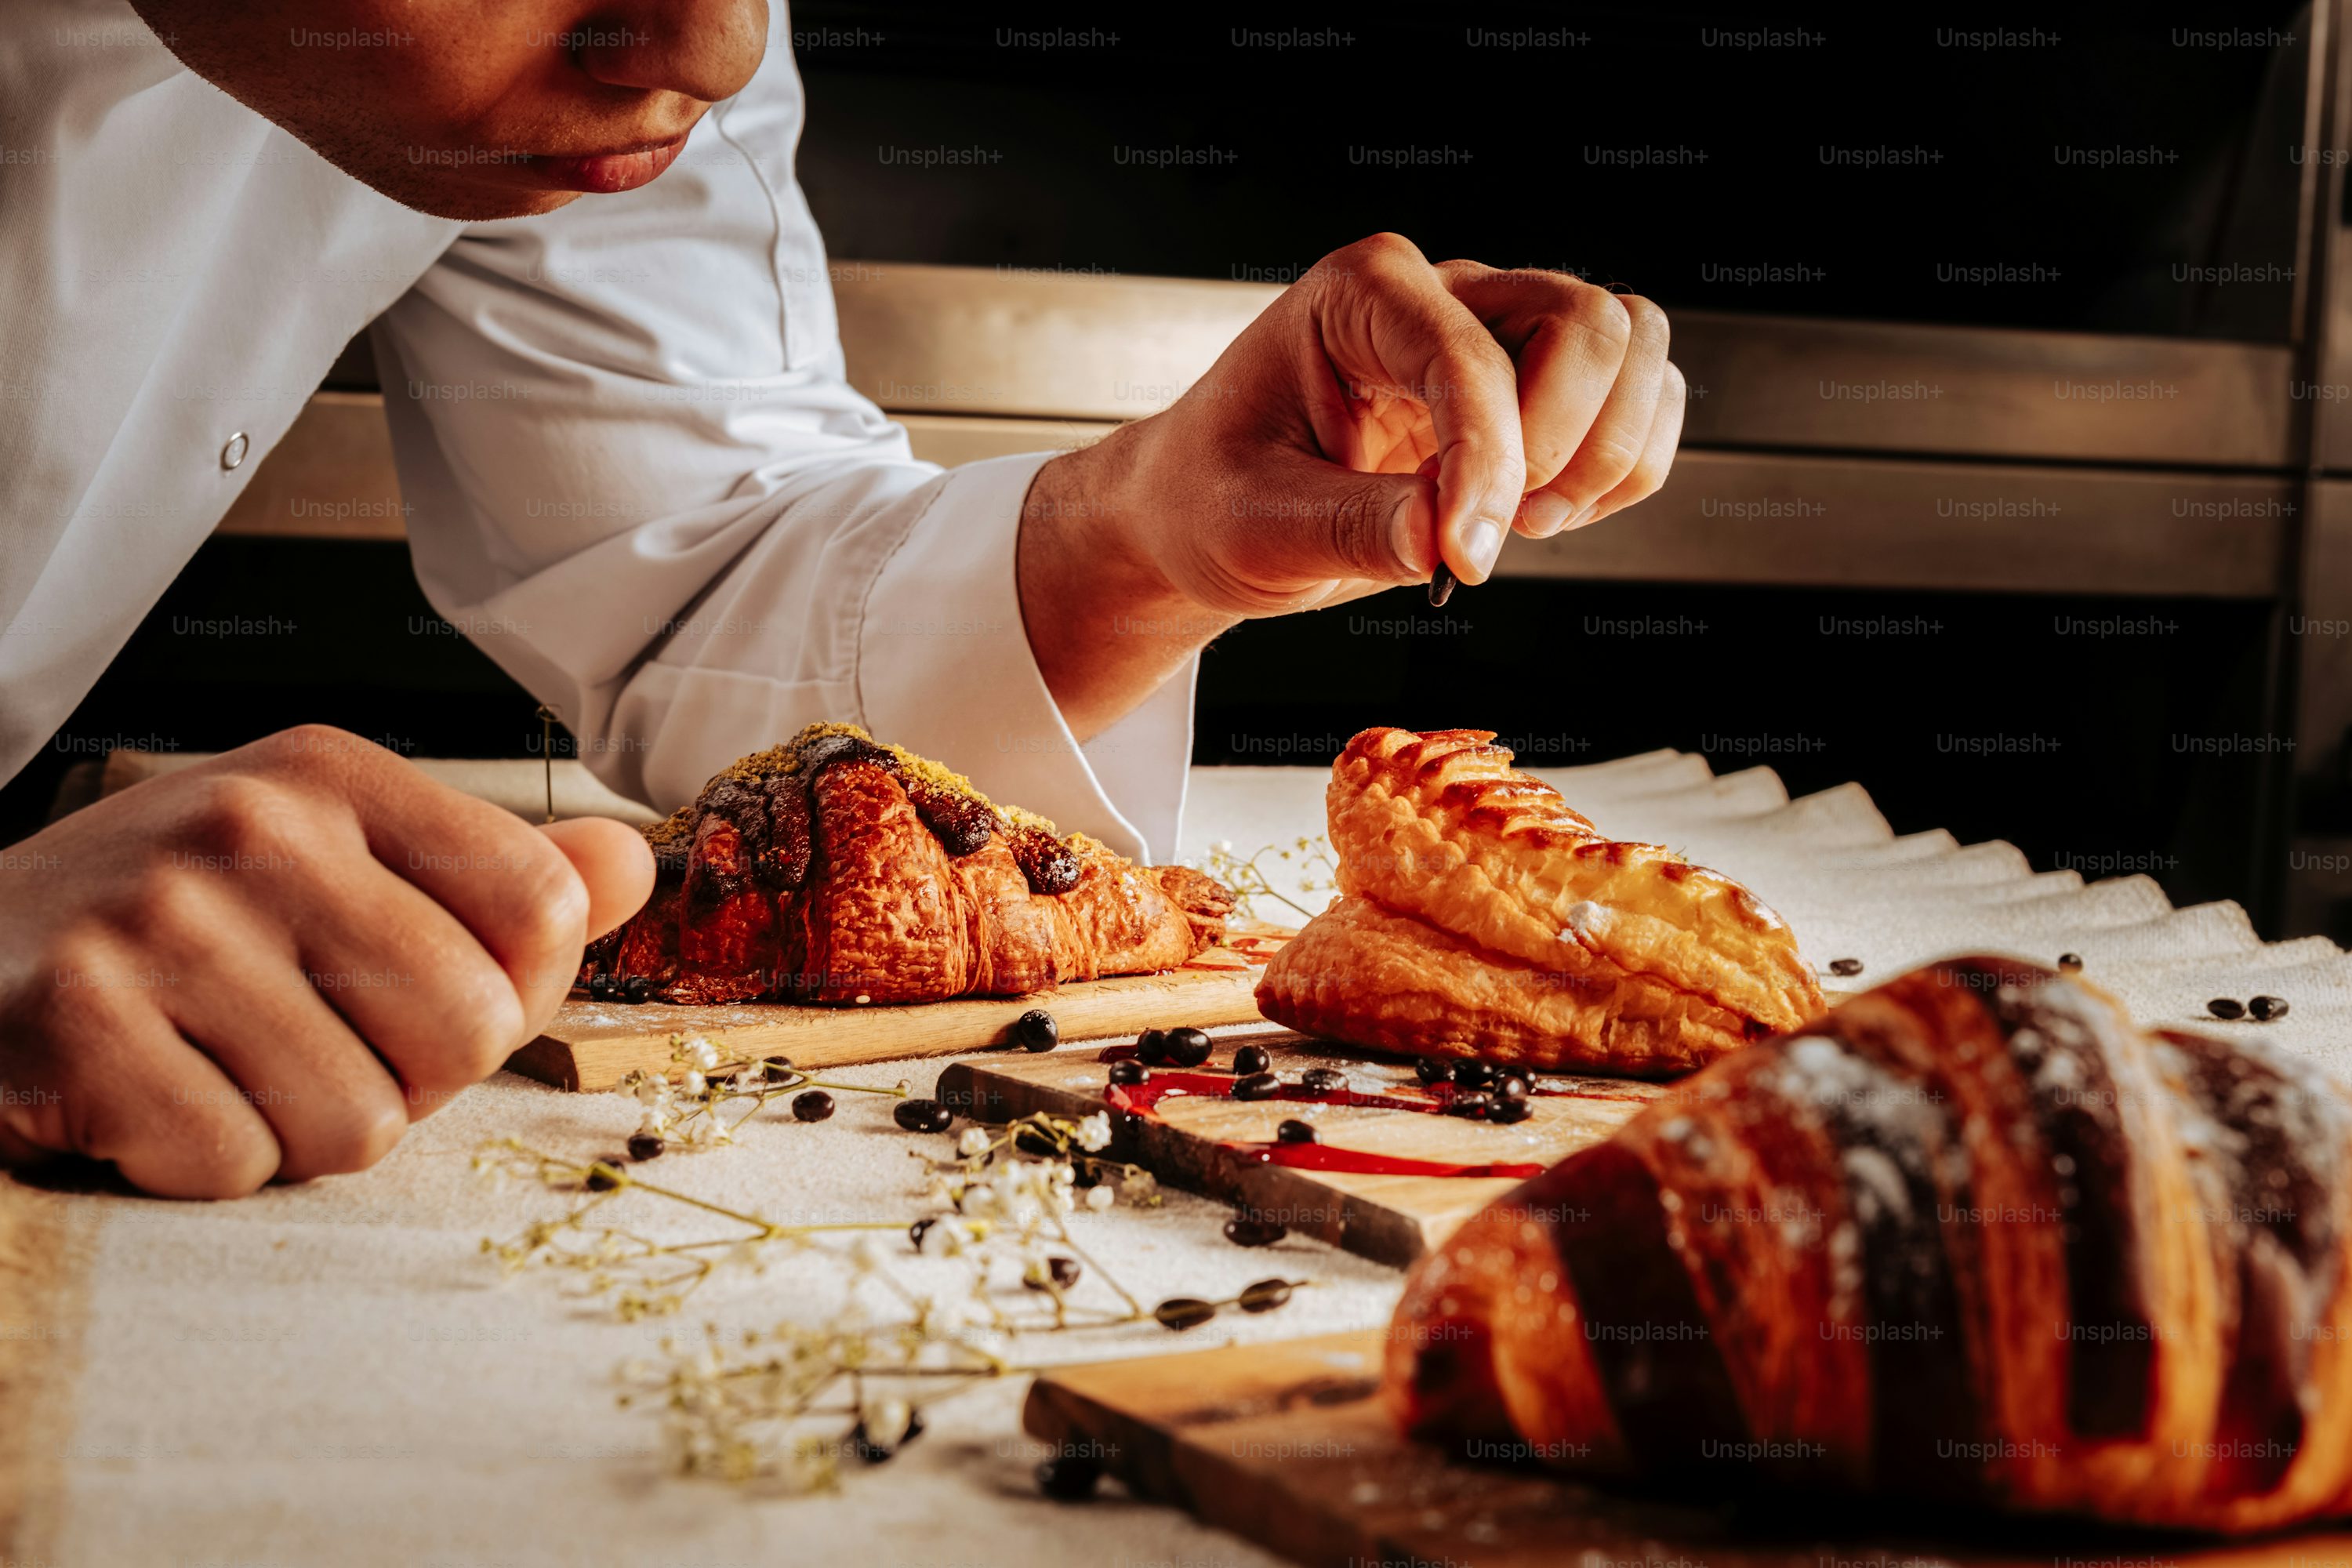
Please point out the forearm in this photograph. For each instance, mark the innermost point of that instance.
(1104, 624)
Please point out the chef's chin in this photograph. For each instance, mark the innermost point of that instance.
(476, 184)
(469, 184)
(465, 200)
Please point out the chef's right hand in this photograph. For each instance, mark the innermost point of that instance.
(268, 964)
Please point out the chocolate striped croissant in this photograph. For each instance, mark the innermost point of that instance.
(1971, 1237)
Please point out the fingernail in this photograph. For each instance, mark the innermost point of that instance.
(1545, 513)
(1582, 518)
(1485, 543)
(1411, 534)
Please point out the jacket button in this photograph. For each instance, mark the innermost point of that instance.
(234, 453)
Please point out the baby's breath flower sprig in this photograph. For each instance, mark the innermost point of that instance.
(1248, 881)
(786, 1403)
(646, 1278)
(790, 1402)
(988, 1180)
(682, 1107)
(764, 1408)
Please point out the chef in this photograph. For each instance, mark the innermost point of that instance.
(635, 475)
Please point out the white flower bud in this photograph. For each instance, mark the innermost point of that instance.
(886, 1421)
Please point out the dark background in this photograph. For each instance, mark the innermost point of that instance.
(1520, 657)
(1294, 189)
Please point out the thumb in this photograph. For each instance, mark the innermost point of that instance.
(613, 860)
(1335, 521)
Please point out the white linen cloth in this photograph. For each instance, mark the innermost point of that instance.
(332, 1374)
(635, 472)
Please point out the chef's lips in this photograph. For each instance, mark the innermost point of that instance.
(606, 174)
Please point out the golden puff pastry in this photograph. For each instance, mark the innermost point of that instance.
(1481, 916)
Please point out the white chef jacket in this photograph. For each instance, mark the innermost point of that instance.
(635, 472)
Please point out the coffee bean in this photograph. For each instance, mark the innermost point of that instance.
(1249, 1230)
(1181, 1312)
(1036, 1030)
(1264, 1295)
(1062, 1271)
(1071, 1480)
(922, 1116)
(1187, 1047)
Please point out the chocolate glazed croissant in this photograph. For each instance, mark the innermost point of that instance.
(1971, 1238)
(834, 868)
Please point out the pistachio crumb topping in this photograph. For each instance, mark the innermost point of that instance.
(786, 759)
(676, 828)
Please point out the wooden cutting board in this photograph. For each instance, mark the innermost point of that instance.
(1211, 1145)
(1287, 1446)
(593, 1045)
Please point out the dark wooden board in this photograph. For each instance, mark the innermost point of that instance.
(1287, 1446)
(1201, 1144)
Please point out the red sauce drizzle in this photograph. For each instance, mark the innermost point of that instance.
(1142, 1097)
(1142, 1100)
(1255, 949)
(1439, 1093)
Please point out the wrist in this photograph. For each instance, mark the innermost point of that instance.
(1104, 621)
(1086, 523)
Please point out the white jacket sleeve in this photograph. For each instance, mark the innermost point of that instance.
(637, 475)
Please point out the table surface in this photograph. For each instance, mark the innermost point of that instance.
(335, 1374)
